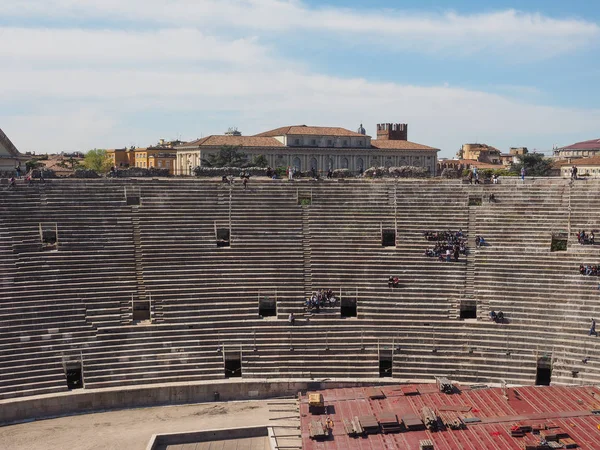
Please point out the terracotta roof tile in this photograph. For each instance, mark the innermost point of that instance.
(593, 161)
(593, 144)
(399, 145)
(308, 130)
(242, 141)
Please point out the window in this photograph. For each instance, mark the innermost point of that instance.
(360, 143)
(160, 163)
(297, 141)
(329, 142)
(313, 142)
(345, 143)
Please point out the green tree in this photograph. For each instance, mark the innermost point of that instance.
(536, 165)
(32, 164)
(260, 161)
(97, 160)
(227, 156)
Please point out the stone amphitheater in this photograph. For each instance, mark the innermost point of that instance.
(115, 293)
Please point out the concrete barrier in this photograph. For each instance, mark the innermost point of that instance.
(85, 401)
(205, 436)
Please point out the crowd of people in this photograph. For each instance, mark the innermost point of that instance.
(448, 244)
(586, 239)
(588, 269)
(323, 298)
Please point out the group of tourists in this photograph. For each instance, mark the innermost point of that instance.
(588, 269)
(244, 176)
(585, 239)
(323, 298)
(393, 282)
(473, 176)
(448, 244)
(497, 317)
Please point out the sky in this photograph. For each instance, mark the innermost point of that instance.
(82, 74)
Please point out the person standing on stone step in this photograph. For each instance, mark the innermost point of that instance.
(523, 174)
(593, 328)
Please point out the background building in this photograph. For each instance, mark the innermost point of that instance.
(479, 152)
(319, 148)
(10, 157)
(587, 167)
(583, 149)
(161, 156)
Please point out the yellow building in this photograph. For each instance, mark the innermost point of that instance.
(480, 152)
(120, 157)
(160, 156)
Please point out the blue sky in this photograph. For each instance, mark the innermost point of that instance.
(91, 74)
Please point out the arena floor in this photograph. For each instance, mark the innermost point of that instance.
(131, 429)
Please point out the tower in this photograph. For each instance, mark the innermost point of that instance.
(392, 131)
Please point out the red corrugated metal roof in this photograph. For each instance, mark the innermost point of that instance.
(568, 408)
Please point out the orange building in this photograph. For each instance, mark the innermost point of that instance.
(160, 156)
(119, 157)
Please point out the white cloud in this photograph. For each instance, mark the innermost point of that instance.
(529, 35)
(102, 47)
(260, 99)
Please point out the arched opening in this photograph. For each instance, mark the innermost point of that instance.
(330, 163)
(297, 164)
(313, 164)
(344, 163)
(360, 165)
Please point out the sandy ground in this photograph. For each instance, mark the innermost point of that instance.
(131, 429)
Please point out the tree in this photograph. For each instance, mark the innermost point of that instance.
(535, 165)
(228, 156)
(97, 160)
(32, 164)
(260, 161)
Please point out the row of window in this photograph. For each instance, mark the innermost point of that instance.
(330, 143)
(167, 164)
(344, 164)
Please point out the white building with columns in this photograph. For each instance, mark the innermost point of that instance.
(320, 148)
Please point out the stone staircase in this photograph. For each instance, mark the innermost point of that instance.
(307, 252)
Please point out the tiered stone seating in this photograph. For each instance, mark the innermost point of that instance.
(75, 303)
(193, 279)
